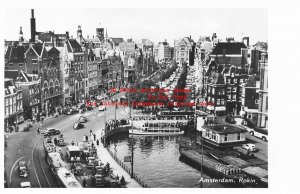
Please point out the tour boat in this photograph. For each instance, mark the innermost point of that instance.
(156, 131)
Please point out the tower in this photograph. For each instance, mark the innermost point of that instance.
(79, 32)
(32, 26)
(100, 33)
(21, 39)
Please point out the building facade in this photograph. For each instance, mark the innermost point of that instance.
(13, 102)
(182, 49)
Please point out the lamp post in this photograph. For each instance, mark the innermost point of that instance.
(130, 112)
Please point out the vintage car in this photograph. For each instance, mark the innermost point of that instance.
(22, 169)
(82, 119)
(61, 141)
(91, 162)
(78, 168)
(98, 180)
(102, 108)
(50, 131)
(69, 111)
(78, 125)
(249, 147)
(25, 185)
(230, 120)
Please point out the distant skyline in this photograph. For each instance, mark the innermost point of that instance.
(154, 24)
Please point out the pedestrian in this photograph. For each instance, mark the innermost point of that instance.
(91, 131)
(122, 181)
(84, 183)
(94, 137)
(86, 138)
(38, 130)
(97, 141)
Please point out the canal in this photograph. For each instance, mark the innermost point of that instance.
(157, 161)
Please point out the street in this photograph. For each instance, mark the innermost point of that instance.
(28, 146)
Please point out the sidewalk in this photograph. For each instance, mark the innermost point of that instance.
(117, 169)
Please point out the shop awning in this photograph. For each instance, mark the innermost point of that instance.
(220, 108)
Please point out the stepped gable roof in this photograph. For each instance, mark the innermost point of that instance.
(16, 53)
(73, 46)
(216, 78)
(185, 40)
(38, 47)
(232, 48)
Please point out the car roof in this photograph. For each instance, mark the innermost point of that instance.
(25, 184)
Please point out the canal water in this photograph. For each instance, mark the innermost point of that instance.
(157, 161)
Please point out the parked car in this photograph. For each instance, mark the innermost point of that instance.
(102, 108)
(23, 169)
(249, 146)
(69, 111)
(51, 131)
(25, 185)
(230, 120)
(78, 168)
(78, 125)
(82, 119)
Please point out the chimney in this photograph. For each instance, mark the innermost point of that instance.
(247, 41)
(21, 39)
(67, 35)
(32, 26)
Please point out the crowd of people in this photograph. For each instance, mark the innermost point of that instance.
(113, 124)
(163, 125)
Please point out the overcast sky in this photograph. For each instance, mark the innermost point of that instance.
(154, 24)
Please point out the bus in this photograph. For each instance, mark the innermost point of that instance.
(67, 179)
(55, 162)
(73, 153)
(260, 133)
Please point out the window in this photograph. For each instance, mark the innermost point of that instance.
(20, 64)
(34, 61)
(235, 80)
(218, 101)
(233, 97)
(222, 92)
(241, 80)
(225, 137)
(213, 91)
(233, 89)
(228, 89)
(228, 80)
(238, 136)
(222, 102)
(228, 97)
(213, 100)
(256, 101)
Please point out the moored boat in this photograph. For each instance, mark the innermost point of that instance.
(156, 131)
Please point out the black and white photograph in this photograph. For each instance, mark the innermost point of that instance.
(136, 97)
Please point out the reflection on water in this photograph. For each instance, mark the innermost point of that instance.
(157, 161)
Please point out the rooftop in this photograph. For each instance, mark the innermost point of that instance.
(232, 48)
(223, 129)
